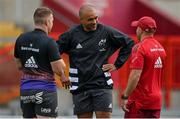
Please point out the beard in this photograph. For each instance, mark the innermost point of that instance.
(90, 27)
(139, 37)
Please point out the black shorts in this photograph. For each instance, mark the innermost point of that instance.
(38, 102)
(93, 100)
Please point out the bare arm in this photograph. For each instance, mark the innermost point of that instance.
(58, 68)
(132, 81)
(18, 63)
(131, 85)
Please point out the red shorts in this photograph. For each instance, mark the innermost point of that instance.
(134, 112)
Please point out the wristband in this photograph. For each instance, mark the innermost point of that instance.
(124, 97)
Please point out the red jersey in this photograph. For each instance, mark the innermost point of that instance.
(149, 56)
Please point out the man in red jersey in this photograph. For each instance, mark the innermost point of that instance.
(142, 97)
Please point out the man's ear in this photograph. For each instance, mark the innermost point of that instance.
(46, 22)
(81, 21)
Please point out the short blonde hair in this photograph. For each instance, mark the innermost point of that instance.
(41, 14)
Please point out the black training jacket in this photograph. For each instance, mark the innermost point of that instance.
(88, 51)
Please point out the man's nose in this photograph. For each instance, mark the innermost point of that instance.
(94, 21)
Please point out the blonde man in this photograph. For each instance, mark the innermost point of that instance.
(37, 56)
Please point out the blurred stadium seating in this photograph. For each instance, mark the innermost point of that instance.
(8, 29)
(8, 83)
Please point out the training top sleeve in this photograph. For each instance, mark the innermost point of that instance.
(137, 58)
(125, 43)
(63, 42)
(53, 52)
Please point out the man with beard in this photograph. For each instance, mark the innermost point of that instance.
(142, 97)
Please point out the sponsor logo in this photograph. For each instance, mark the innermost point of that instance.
(29, 48)
(79, 46)
(46, 110)
(158, 63)
(39, 99)
(28, 99)
(156, 49)
(110, 105)
(31, 63)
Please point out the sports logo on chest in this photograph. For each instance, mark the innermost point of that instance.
(79, 46)
(102, 44)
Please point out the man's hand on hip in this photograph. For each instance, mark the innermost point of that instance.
(108, 67)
